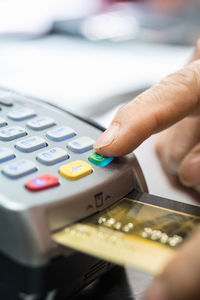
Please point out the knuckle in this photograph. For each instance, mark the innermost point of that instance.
(154, 94)
(185, 82)
(183, 79)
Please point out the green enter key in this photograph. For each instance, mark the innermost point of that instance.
(99, 160)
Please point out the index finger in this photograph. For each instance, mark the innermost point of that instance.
(154, 110)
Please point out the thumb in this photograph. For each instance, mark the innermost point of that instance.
(181, 278)
(189, 170)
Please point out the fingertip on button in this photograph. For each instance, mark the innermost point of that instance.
(100, 160)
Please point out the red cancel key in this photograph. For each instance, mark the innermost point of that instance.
(44, 181)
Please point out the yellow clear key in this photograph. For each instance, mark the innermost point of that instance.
(75, 170)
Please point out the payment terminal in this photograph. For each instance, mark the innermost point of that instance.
(50, 178)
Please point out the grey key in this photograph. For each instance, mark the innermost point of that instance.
(6, 102)
(11, 133)
(61, 133)
(6, 154)
(31, 144)
(6, 98)
(19, 168)
(81, 144)
(3, 122)
(52, 156)
(21, 114)
(40, 123)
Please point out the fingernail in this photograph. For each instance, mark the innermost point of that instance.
(108, 136)
(189, 171)
(157, 291)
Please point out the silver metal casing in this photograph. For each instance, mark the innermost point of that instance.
(27, 219)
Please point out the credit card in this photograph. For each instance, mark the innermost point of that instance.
(132, 233)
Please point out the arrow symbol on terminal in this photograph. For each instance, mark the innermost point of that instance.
(76, 168)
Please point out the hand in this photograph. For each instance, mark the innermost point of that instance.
(175, 99)
(180, 153)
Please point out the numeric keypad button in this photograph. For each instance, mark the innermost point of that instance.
(6, 98)
(19, 168)
(21, 114)
(6, 154)
(11, 133)
(52, 156)
(40, 123)
(60, 134)
(31, 144)
(81, 144)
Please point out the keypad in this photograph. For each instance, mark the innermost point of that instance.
(15, 164)
(31, 144)
(20, 168)
(12, 133)
(81, 144)
(40, 123)
(21, 114)
(6, 154)
(61, 133)
(52, 156)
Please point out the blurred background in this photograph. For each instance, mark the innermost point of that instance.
(92, 56)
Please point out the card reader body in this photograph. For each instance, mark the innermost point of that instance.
(35, 267)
